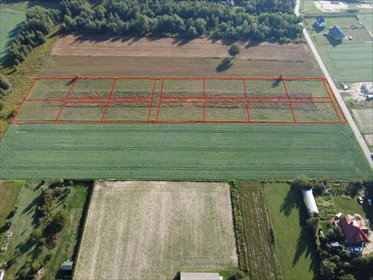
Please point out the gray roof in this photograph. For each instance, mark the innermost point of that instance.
(68, 265)
(199, 276)
(336, 31)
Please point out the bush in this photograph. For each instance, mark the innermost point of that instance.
(35, 235)
(4, 83)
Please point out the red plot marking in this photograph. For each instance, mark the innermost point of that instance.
(159, 101)
(291, 106)
(247, 101)
(151, 101)
(108, 100)
(204, 100)
(335, 110)
(23, 101)
(67, 96)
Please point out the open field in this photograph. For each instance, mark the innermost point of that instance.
(293, 250)
(256, 228)
(71, 45)
(182, 226)
(166, 152)
(10, 21)
(108, 66)
(349, 61)
(26, 220)
(194, 100)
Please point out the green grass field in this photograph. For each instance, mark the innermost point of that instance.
(256, 229)
(9, 193)
(9, 22)
(177, 152)
(293, 250)
(349, 61)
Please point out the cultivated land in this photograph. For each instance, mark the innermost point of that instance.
(9, 22)
(193, 152)
(153, 230)
(71, 45)
(256, 231)
(350, 61)
(293, 246)
(135, 57)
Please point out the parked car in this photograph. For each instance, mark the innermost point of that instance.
(360, 200)
(369, 200)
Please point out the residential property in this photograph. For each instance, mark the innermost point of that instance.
(200, 276)
(354, 230)
(310, 202)
(336, 33)
(320, 22)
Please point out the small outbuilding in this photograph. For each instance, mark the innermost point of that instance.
(367, 89)
(310, 202)
(200, 276)
(320, 22)
(66, 269)
(336, 33)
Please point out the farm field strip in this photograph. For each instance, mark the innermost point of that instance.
(184, 226)
(182, 152)
(179, 100)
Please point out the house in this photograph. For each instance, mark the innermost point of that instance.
(200, 276)
(320, 22)
(354, 230)
(309, 201)
(336, 33)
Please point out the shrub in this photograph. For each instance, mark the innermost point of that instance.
(4, 83)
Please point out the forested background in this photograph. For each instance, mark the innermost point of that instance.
(258, 20)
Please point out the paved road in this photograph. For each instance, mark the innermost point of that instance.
(337, 93)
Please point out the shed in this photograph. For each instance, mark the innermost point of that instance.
(309, 201)
(320, 22)
(336, 33)
(66, 269)
(200, 276)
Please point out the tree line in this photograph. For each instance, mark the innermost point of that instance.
(216, 19)
(39, 23)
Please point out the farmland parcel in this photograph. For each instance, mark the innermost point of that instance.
(153, 230)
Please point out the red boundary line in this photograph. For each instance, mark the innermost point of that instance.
(340, 109)
(288, 97)
(205, 100)
(159, 101)
(23, 101)
(108, 100)
(67, 96)
(151, 101)
(247, 100)
(335, 110)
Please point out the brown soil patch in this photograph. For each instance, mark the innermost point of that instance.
(152, 230)
(71, 45)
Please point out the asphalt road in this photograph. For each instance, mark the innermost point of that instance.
(337, 93)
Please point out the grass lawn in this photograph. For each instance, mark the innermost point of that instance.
(349, 61)
(347, 205)
(194, 152)
(292, 246)
(9, 193)
(23, 224)
(10, 21)
(256, 229)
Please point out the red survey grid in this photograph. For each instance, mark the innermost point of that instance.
(179, 101)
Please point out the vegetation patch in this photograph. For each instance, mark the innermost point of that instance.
(255, 237)
(45, 228)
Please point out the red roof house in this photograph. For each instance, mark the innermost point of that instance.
(354, 230)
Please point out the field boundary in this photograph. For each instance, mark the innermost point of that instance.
(155, 103)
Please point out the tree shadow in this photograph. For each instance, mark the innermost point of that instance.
(305, 243)
(224, 65)
(10, 36)
(182, 41)
(277, 82)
